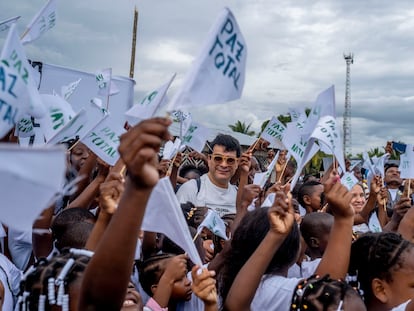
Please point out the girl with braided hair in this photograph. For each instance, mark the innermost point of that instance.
(323, 293)
(51, 282)
(382, 265)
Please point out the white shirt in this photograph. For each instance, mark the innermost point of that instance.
(221, 200)
(402, 306)
(10, 276)
(274, 293)
(305, 270)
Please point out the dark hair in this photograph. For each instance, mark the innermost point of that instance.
(228, 142)
(41, 282)
(319, 293)
(315, 224)
(185, 169)
(247, 237)
(151, 270)
(69, 216)
(389, 165)
(376, 255)
(75, 236)
(306, 189)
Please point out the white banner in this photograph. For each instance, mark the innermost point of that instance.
(44, 20)
(217, 74)
(53, 77)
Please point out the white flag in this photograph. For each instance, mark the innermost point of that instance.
(24, 127)
(301, 149)
(171, 149)
(29, 179)
(164, 215)
(13, 95)
(214, 223)
(379, 164)
(274, 132)
(103, 140)
(217, 75)
(324, 106)
(296, 113)
(6, 24)
(71, 130)
(261, 178)
(327, 132)
(14, 57)
(149, 104)
(367, 163)
(44, 20)
(407, 162)
(196, 136)
(59, 113)
(349, 180)
(106, 85)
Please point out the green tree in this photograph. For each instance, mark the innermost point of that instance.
(241, 127)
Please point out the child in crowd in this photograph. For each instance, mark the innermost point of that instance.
(164, 279)
(382, 265)
(270, 248)
(314, 229)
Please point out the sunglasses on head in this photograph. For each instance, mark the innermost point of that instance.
(219, 158)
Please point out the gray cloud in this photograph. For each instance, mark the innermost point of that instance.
(295, 51)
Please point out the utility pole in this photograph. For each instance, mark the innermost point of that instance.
(349, 59)
(134, 43)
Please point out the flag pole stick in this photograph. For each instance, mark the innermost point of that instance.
(283, 171)
(24, 33)
(134, 43)
(170, 167)
(251, 148)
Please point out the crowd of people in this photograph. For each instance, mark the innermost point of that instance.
(317, 246)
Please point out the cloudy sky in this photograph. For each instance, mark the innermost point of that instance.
(295, 51)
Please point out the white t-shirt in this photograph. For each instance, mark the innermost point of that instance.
(305, 270)
(274, 293)
(20, 246)
(221, 200)
(10, 276)
(402, 306)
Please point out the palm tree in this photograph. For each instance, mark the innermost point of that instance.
(241, 127)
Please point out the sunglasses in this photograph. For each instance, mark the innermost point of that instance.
(219, 158)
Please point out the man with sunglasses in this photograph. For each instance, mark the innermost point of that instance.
(215, 190)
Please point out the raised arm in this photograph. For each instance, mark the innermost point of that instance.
(335, 260)
(107, 275)
(110, 194)
(371, 202)
(243, 289)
